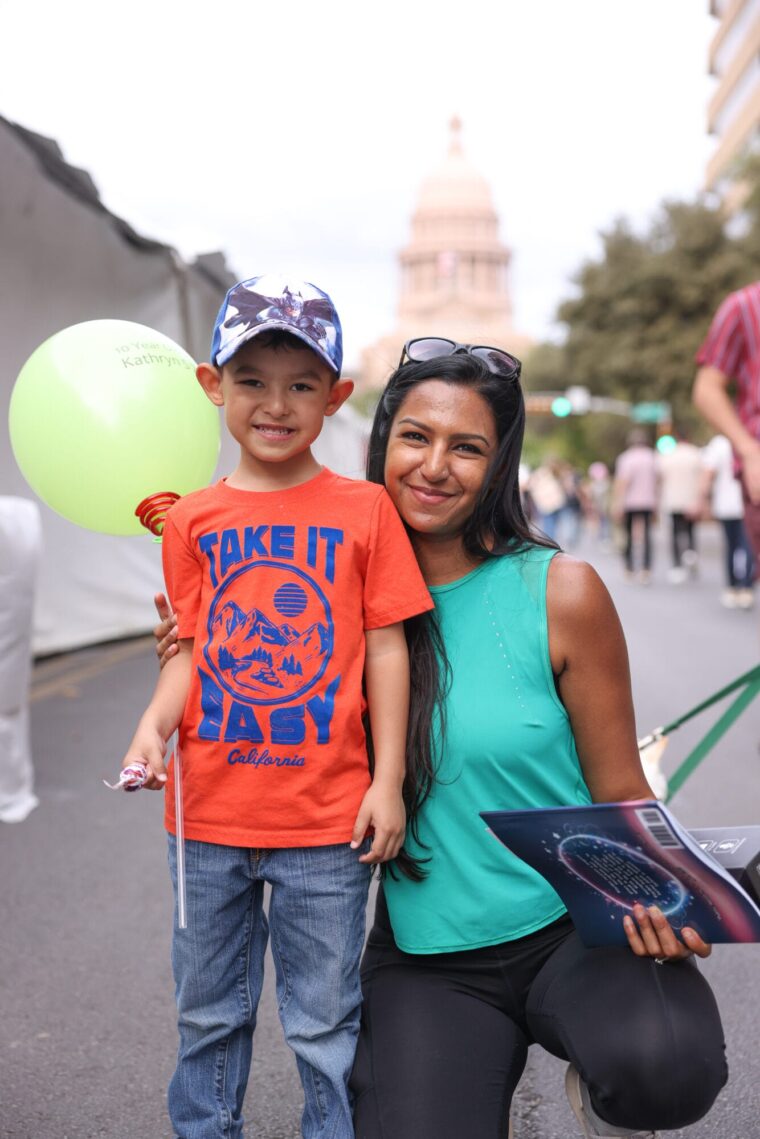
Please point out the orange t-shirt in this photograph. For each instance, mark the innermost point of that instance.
(277, 588)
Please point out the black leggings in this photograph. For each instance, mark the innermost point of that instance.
(633, 520)
(444, 1037)
(682, 536)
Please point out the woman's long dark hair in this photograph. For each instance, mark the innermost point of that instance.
(497, 526)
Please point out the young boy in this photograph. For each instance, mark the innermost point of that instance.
(290, 586)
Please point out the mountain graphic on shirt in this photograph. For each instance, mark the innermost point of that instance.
(256, 655)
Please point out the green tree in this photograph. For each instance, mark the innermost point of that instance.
(641, 310)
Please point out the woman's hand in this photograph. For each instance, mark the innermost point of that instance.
(651, 935)
(166, 632)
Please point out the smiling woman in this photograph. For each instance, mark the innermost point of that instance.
(446, 441)
(436, 473)
(520, 680)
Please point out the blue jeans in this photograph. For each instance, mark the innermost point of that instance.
(316, 916)
(740, 563)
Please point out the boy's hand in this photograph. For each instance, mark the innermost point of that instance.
(382, 808)
(149, 747)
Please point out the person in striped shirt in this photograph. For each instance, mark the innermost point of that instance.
(731, 353)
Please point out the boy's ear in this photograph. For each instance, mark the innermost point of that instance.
(210, 379)
(339, 393)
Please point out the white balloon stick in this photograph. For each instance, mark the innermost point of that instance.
(179, 816)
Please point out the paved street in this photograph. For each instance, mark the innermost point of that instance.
(87, 1033)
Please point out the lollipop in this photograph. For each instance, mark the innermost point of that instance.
(131, 778)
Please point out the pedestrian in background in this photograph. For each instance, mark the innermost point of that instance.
(597, 495)
(731, 352)
(681, 473)
(526, 500)
(722, 499)
(571, 514)
(634, 498)
(548, 496)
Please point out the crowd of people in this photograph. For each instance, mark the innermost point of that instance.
(683, 489)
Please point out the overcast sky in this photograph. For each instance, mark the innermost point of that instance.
(294, 136)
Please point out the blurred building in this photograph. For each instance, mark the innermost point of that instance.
(454, 271)
(733, 115)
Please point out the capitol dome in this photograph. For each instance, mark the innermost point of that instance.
(454, 270)
(455, 184)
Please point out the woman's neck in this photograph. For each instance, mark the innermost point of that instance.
(442, 559)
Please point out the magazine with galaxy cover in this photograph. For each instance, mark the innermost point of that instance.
(605, 857)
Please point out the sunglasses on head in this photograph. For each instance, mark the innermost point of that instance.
(426, 348)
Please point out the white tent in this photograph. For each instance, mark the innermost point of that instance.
(64, 258)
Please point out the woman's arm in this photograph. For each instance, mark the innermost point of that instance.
(589, 660)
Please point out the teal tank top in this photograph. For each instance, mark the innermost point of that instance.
(508, 745)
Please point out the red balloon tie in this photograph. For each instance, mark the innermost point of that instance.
(152, 510)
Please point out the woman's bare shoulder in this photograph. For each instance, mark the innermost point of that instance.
(573, 582)
(577, 600)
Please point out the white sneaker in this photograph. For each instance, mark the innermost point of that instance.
(17, 809)
(677, 575)
(580, 1102)
(729, 598)
(745, 598)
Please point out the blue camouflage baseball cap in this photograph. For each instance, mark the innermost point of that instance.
(266, 303)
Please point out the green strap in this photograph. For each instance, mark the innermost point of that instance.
(747, 678)
(751, 680)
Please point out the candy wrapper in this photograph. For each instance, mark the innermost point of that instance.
(132, 778)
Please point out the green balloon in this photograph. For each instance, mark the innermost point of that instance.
(104, 414)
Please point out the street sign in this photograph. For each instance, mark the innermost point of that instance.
(575, 400)
(580, 399)
(650, 412)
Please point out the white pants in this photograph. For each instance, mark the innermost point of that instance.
(20, 546)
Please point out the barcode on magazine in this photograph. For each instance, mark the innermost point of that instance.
(657, 827)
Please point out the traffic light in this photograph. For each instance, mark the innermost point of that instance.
(666, 440)
(575, 400)
(665, 443)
